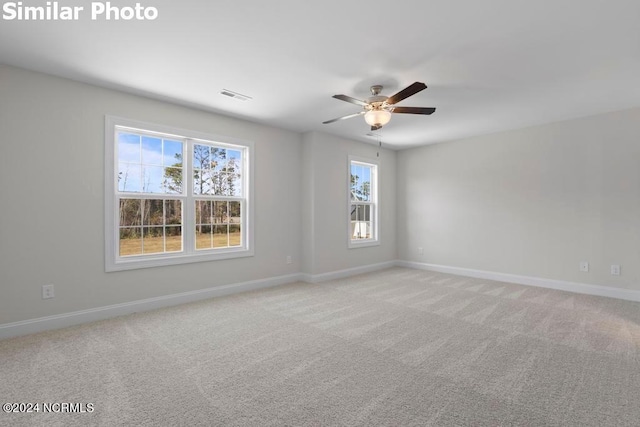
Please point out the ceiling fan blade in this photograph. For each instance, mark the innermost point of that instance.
(350, 99)
(414, 110)
(406, 92)
(343, 118)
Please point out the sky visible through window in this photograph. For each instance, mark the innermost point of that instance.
(360, 182)
(145, 163)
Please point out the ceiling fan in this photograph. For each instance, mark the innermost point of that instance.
(377, 108)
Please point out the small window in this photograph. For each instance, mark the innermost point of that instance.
(174, 196)
(363, 203)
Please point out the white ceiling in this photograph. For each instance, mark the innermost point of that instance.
(490, 65)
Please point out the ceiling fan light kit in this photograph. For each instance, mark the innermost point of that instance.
(377, 108)
(377, 118)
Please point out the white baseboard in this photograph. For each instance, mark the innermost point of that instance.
(341, 274)
(64, 320)
(580, 288)
(58, 321)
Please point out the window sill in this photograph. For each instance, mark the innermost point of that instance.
(354, 244)
(174, 259)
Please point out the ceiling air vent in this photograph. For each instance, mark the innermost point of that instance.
(235, 95)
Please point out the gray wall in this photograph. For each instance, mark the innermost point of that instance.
(532, 202)
(325, 221)
(52, 214)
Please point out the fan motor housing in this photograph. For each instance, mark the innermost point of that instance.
(376, 99)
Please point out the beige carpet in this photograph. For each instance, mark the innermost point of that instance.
(397, 347)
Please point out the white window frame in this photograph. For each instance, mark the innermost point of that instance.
(375, 218)
(113, 261)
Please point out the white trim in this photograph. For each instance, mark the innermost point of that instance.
(348, 272)
(64, 320)
(561, 285)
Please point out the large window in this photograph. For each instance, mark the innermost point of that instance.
(363, 203)
(174, 196)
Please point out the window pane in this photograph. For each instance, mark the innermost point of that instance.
(360, 230)
(234, 169)
(223, 184)
(130, 241)
(229, 184)
(201, 156)
(364, 191)
(218, 158)
(220, 212)
(153, 212)
(153, 240)
(172, 155)
(197, 182)
(172, 180)
(142, 164)
(128, 148)
(234, 160)
(360, 182)
(366, 174)
(203, 212)
(361, 221)
(153, 237)
(153, 179)
(217, 171)
(130, 212)
(235, 186)
(203, 181)
(129, 177)
(354, 182)
(353, 230)
(235, 236)
(202, 171)
(220, 236)
(235, 216)
(151, 150)
(173, 239)
(173, 212)
(203, 237)
(217, 183)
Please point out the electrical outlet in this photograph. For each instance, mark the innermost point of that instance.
(47, 291)
(420, 251)
(584, 266)
(289, 261)
(615, 270)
